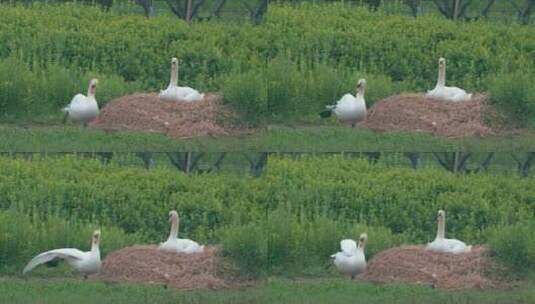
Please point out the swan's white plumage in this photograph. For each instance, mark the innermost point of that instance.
(442, 244)
(176, 93)
(176, 245)
(348, 246)
(85, 262)
(351, 259)
(351, 108)
(442, 91)
(83, 108)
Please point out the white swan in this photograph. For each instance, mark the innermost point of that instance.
(351, 259)
(442, 244)
(442, 91)
(176, 93)
(176, 245)
(83, 108)
(85, 262)
(350, 108)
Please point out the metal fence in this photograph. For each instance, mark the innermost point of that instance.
(255, 163)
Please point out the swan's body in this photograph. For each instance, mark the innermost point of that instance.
(83, 108)
(351, 259)
(349, 108)
(176, 245)
(442, 244)
(442, 91)
(85, 262)
(176, 93)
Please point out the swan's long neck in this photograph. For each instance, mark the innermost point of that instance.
(360, 91)
(174, 228)
(441, 75)
(441, 228)
(95, 248)
(91, 91)
(174, 75)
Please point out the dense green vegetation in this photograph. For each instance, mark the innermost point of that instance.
(27, 138)
(265, 224)
(301, 57)
(275, 291)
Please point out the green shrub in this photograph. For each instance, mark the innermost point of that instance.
(303, 245)
(514, 245)
(40, 91)
(327, 45)
(25, 236)
(247, 247)
(514, 93)
(287, 221)
(285, 90)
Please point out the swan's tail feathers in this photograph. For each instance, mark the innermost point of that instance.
(469, 248)
(469, 96)
(327, 112)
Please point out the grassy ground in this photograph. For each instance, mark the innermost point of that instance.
(274, 138)
(274, 291)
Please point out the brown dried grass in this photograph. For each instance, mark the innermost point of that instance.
(414, 264)
(146, 264)
(419, 113)
(147, 113)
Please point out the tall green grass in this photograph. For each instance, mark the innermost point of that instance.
(39, 92)
(288, 221)
(514, 245)
(24, 236)
(514, 94)
(299, 59)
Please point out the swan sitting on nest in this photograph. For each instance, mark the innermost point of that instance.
(351, 259)
(442, 91)
(83, 108)
(176, 245)
(85, 262)
(442, 244)
(176, 93)
(350, 108)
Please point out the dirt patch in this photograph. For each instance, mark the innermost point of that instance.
(414, 264)
(419, 113)
(146, 264)
(147, 113)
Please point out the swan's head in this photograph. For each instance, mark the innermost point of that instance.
(93, 85)
(362, 240)
(441, 215)
(96, 237)
(173, 215)
(174, 61)
(442, 61)
(361, 83)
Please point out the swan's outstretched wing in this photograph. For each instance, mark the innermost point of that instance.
(348, 247)
(65, 253)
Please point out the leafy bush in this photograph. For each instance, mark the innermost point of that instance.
(285, 90)
(289, 220)
(514, 245)
(514, 93)
(327, 45)
(247, 247)
(27, 91)
(25, 236)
